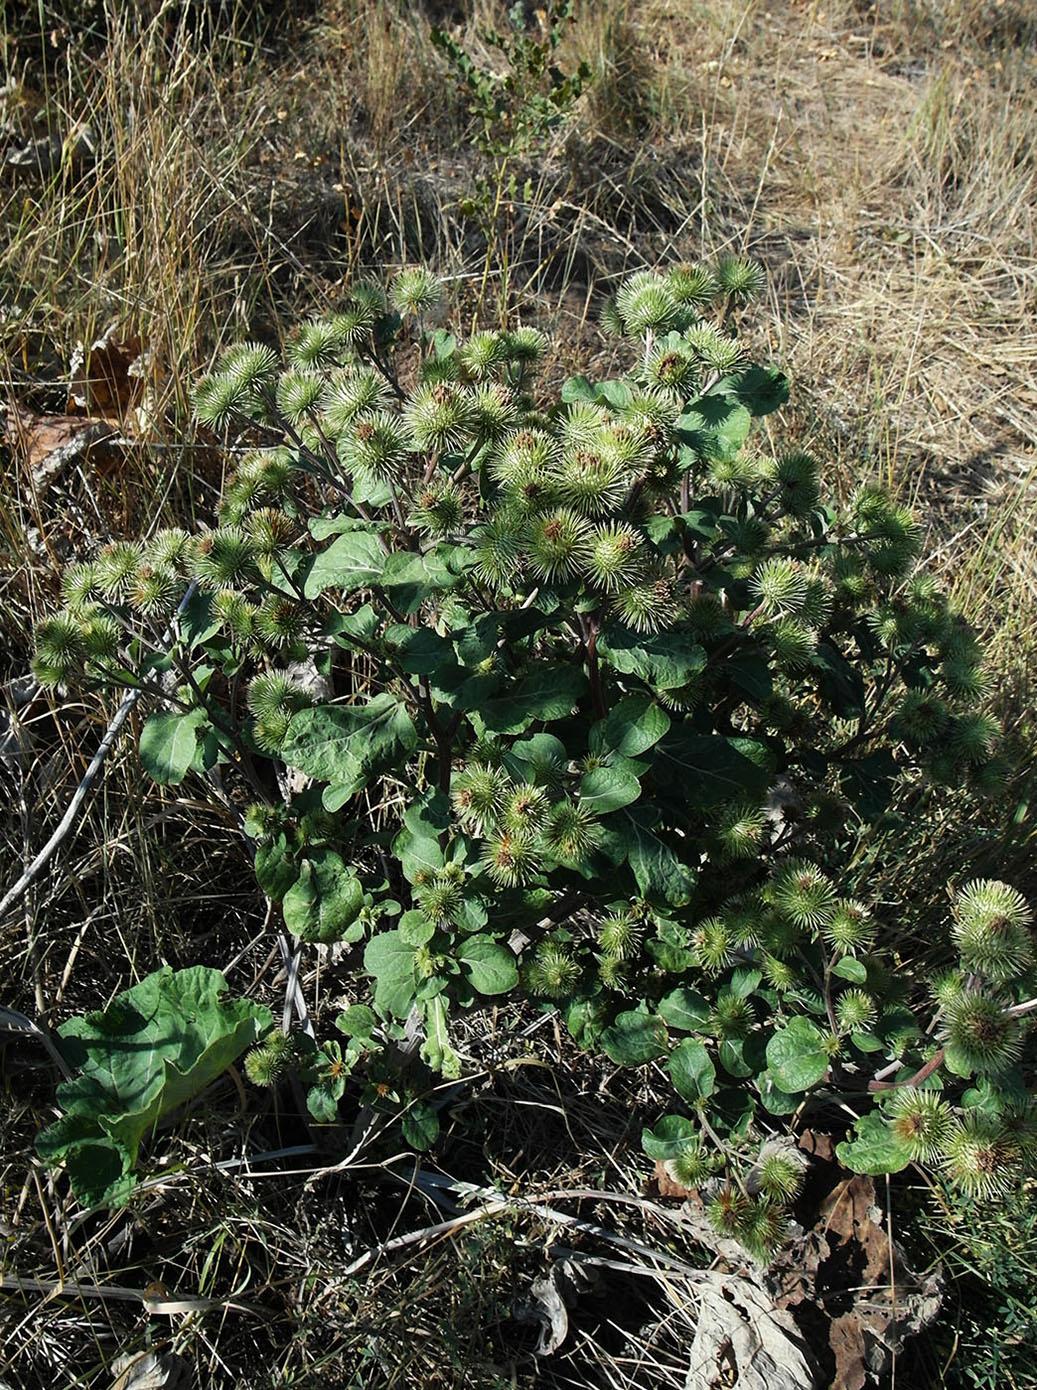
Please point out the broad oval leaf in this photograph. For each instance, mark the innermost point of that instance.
(489, 966)
(875, 1149)
(635, 1038)
(168, 743)
(796, 1056)
(670, 1137)
(354, 561)
(691, 1071)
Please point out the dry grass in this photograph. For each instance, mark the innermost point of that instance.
(877, 157)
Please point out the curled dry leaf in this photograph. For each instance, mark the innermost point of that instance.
(152, 1372)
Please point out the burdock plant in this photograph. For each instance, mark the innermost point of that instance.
(585, 697)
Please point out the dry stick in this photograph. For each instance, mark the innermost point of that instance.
(68, 820)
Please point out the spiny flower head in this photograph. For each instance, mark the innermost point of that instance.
(115, 568)
(620, 936)
(979, 1035)
(224, 556)
(804, 894)
(740, 278)
(855, 1011)
(648, 605)
(440, 417)
(992, 929)
(779, 1171)
(318, 343)
(417, 291)
(921, 1120)
(980, 1157)
(592, 483)
(797, 475)
(553, 972)
(850, 927)
(377, 445)
(351, 393)
(554, 542)
(613, 556)
(571, 831)
(691, 1168)
(479, 793)
(645, 304)
(693, 284)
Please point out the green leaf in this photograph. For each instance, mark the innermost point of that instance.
(419, 650)
(761, 390)
(706, 769)
(665, 660)
(660, 875)
(418, 854)
(437, 1050)
(586, 1021)
(354, 561)
(876, 1149)
(347, 744)
(634, 1038)
(672, 1136)
(732, 1059)
(409, 578)
(714, 426)
(548, 692)
(775, 1100)
(578, 388)
(325, 900)
(849, 968)
(420, 1125)
(691, 1071)
(276, 869)
(489, 967)
(685, 1008)
(633, 725)
(156, 1046)
(358, 1021)
(390, 961)
(609, 788)
(168, 743)
(796, 1056)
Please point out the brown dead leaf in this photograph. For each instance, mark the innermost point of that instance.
(47, 444)
(849, 1214)
(107, 379)
(665, 1186)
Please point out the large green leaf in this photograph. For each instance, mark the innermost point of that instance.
(634, 1038)
(876, 1149)
(347, 744)
(354, 561)
(390, 960)
(611, 787)
(168, 743)
(549, 691)
(714, 426)
(672, 1136)
(706, 769)
(660, 875)
(326, 899)
(686, 1009)
(796, 1056)
(156, 1046)
(490, 967)
(691, 1071)
(665, 660)
(633, 725)
(760, 389)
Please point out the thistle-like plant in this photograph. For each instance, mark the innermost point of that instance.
(586, 698)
